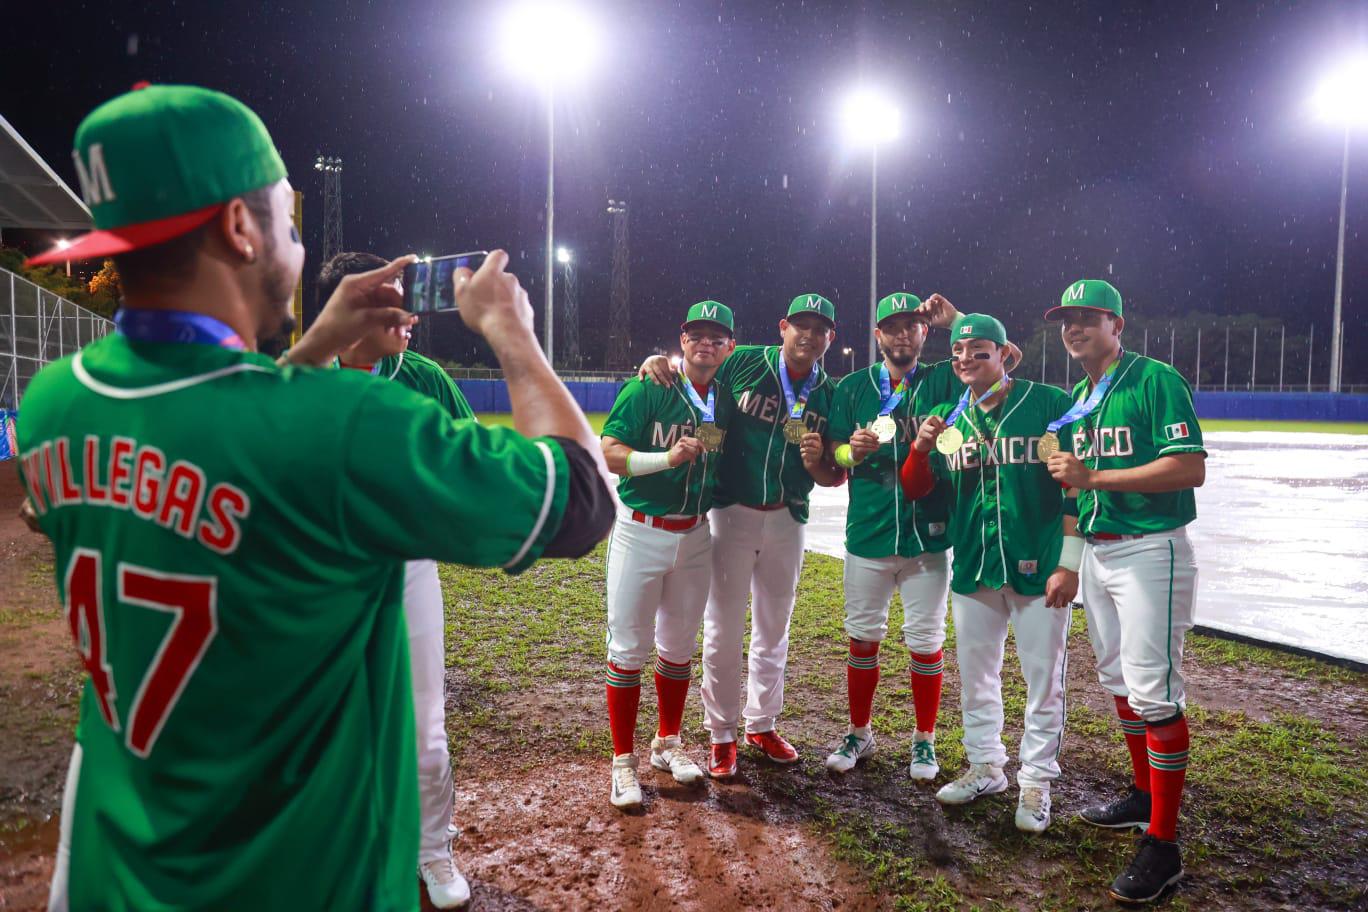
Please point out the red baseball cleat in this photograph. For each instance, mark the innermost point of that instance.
(722, 760)
(773, 745)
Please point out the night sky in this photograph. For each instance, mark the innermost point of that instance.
(1164, 146)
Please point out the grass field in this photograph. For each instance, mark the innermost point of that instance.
(596, 419)
(1274, 807)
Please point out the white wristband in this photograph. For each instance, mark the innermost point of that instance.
(639, 463)
(1071, 555)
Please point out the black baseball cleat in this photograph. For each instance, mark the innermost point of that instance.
(1130, 810)
(1158, 865)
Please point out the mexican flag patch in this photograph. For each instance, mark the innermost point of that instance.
(1176, 431)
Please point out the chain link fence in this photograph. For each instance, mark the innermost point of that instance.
(37, 327)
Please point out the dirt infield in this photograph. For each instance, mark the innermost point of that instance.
(1275, 815)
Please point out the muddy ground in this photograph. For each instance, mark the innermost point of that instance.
(529, 747)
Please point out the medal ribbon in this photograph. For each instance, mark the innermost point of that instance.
(1084, 407)
(967, 398)
(796, 404)
(888, 400)
(175, 326)
(706, 409)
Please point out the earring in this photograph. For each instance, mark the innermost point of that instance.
(249, 252)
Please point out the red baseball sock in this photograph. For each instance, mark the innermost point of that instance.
(926, 673)
(862, 678)
(1168, 759)
(624, 697)
(1133, 727)
(672, 686)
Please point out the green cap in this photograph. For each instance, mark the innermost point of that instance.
(814, 303)
(978, 326)
(160, 161)
(894, 304)
(710, 312)
(1093, 294)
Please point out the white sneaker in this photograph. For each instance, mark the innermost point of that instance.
(668, 754)
(979, 779)
(446, 888)
(855, 746)
(1033, 809)
(924, 767)
(626, 792)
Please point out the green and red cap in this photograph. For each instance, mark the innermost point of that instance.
(813, 303)
(897, 303)
(713, 312)
(160, 161)
(1093, 294)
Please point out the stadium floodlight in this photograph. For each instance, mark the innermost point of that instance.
(868, 119)
(1342, 99)
(562, 255)
(553, 44)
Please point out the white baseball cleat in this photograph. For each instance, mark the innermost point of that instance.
(626, 793)
(446, 888)
(668, 754)
(1033, 809)
(924, 767)
(855, 746)
(978, 780)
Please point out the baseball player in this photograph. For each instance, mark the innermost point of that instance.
(230, 534)
(385, 354)
(776, 452)
(665, 443)
(1016, 561)
(891, 543)
(1136, 457)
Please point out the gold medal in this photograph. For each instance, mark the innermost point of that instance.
(885, 428)
(950, 440)
(710, 435)
(794, 429)
(1047, 446)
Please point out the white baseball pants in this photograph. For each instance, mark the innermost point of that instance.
(757, 553)
(1042, 635)
(1138, 595)
(427, 661)
(657, 589)
(922, 581)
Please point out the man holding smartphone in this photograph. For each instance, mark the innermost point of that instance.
(384, 353)
(230, 534)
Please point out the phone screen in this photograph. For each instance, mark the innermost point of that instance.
(430, 284)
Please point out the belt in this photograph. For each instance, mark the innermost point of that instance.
(765, 508)
(1111, 536)
(664, 522)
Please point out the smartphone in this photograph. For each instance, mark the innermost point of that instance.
(430, 284)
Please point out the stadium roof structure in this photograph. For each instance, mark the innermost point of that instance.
(31, 193)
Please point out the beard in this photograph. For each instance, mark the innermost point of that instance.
(899, 361)
(277, 286)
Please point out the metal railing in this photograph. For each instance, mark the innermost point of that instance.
(38, 327)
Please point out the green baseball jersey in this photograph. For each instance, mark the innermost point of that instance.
(229, 540)
(423, 375)
(1146, 413)
(880, 522)
(760, 467)
(1006, 511)
(653, 418)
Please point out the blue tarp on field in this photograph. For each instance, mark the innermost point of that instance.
(492, 395)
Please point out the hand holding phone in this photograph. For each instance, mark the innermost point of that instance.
(430, 284)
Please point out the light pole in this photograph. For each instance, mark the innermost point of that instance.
(870, 119)
(552, 44)
(63, 244)
(1342, 98)
(850, 354)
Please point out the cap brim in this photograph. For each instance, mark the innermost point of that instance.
(1056, 313)
(722, 326)
(127, 238)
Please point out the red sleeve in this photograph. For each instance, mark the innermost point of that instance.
(916, 475)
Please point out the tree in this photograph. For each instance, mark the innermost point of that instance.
(105, 290)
